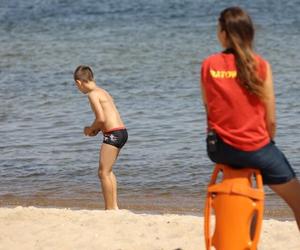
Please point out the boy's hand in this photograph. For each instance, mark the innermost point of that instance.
(89, 132)
(94, 132)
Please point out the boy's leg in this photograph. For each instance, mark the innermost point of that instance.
(115, 188)
(108, 156)
(290, 193)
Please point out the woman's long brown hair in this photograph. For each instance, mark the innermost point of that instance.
(240, 34)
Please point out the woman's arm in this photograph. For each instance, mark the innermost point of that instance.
(203, 95)
(269, 102)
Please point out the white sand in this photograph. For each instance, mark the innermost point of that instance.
(40, 228)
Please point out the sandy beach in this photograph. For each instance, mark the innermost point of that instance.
(50, 228)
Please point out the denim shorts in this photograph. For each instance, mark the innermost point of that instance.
(272, 163)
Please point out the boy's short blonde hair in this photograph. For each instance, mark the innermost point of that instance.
(83, 73)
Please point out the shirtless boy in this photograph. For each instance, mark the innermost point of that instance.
(107, 120)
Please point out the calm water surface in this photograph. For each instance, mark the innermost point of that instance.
(147, 55)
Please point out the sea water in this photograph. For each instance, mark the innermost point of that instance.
(147, 54)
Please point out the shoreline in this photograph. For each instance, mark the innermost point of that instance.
(149, 204)
(33, 228)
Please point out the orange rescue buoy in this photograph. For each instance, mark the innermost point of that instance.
(238, 206)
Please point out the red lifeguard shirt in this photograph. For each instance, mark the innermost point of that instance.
(236, 115)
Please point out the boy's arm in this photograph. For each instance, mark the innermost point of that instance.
(97, 125)
(269, 102)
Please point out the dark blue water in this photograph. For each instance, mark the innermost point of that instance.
(147, 54)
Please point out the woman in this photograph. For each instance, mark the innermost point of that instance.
(238, 95)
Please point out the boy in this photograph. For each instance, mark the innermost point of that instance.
(107, 120)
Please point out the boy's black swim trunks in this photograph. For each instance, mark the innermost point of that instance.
(116, 138)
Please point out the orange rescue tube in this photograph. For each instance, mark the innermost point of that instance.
(238, 206)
